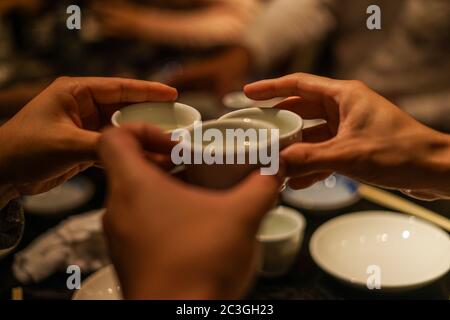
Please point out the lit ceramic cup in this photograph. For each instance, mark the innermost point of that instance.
(289, 123)
(223, 175)
(167, 116)
(279, 237)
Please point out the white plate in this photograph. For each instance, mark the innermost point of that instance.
(334, 193)
(102, 285)
(403, 251)
(68, 196)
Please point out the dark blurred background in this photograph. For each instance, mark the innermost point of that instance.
(211, 47)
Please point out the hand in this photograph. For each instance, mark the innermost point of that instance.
(27, 5)
(170, 240)
(366, 137)
(54, 136)
(221, 74)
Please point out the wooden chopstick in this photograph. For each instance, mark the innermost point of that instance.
(17, 293)
(394, 202)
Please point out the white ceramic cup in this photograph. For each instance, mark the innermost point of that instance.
(279, 237)
(238, 100)
(167, 116)
(290, 124)
(225, 175)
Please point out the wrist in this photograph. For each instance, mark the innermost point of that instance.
(149, 280)
(435, 163)
(166, 288)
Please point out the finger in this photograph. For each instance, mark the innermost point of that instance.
(259, 190)
(109, 94)
(304, 108)
(151, 138)
(306, 158)
(310, 87)
(82, 145)
(123, 156)
(162, 161)
(308, 180)
(118, 90)
(317, 133)
(308, 110)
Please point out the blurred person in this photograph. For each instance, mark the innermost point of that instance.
(198, 24)
(9, 5)
(12, 65)
(133, 39)
(41, 48)
(407, 60)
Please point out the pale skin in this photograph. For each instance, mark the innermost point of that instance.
(366, 137)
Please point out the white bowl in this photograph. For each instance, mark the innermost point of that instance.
(165, 115)
(290, 124)
(334, 193)
(102, 285)
(403, 252)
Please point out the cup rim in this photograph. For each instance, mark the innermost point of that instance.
(191, 109)
(237, 151)
(298, 127)
(294, 215)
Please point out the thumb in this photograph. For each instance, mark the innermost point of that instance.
(257, 194)
(83, 144)
(122, 153)
(307, 158)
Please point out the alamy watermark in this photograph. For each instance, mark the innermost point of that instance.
(227, 146)
(373, 22)
(73, 21)
(374, 279)
(73, 281)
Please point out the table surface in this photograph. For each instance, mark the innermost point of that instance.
(304, 281)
